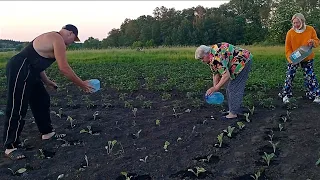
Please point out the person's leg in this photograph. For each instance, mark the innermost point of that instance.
(18, 83)
(310, 80)
(40, 107)
(236, 91)
(290, 74)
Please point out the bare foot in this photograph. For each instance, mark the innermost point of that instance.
(48, 136)
(52, 135)
(14, 154)
(230, 115)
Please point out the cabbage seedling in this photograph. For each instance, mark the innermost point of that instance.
(229, 131)
(69, 118)
(60, 112)
(19, 171)
(144, 160)
(207, 159)
(137, 135)
(256, 175)
(251, 110)
(267, 157)
(166, 144)
(240, 125)
(271, 135)
(125, 174)
(110, 146)
(220, 139)
(274, 146)
(89, 131)
(198, 171)
(280, 127)
(247, 116)
(134, 110)
(95, 114)
(158, 122)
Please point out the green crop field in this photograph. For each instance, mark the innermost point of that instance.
(166, 69)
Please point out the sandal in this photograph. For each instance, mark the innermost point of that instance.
(56, 136)
(15, 155)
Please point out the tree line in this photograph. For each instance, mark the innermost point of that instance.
(263, 22)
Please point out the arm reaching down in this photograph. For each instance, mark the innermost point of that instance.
(60, 54)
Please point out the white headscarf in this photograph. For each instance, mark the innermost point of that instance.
(202, 51)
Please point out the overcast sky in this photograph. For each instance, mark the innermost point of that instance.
(24, 20)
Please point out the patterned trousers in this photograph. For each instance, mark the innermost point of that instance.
(310, 80)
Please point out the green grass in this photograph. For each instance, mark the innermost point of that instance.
(166, 69)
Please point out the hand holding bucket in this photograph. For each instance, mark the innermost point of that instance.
(95, 83)
(214, 98)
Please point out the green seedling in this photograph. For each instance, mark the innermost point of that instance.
(251, 110)
(95, 114)
(193, 129)
(271, 135)
(70, 119)
(247, 116)
(110, 146)
(128, 104)
(158, 122)
(257, 175)
(240, 125)
(60, 112)
(125, 174)
(267, 157)
(41, 156)
(198, 171)
(166, 144)
(165, 96)
(137, 135)
(87, 161)
(140, 97)
(19, 171)
(122, 96)
(134, 111)
(147, 104)
(60, 176)
(220, 139)
(284, 118)
(207, 159)
(89, 131)
(229, 131)
(288, 114)
(318, 162)
(144, 160)
(274, 146)
(280, 127)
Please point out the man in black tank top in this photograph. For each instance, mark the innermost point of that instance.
(25, 81)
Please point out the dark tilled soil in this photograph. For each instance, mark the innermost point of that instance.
(139, 149)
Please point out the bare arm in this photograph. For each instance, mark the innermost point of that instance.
(225, 77)
(216, 79)
(60, 55)
(44, 77)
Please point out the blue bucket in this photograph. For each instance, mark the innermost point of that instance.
(215, 98)
(95, 83)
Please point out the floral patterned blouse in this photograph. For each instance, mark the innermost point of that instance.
(228, 57)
